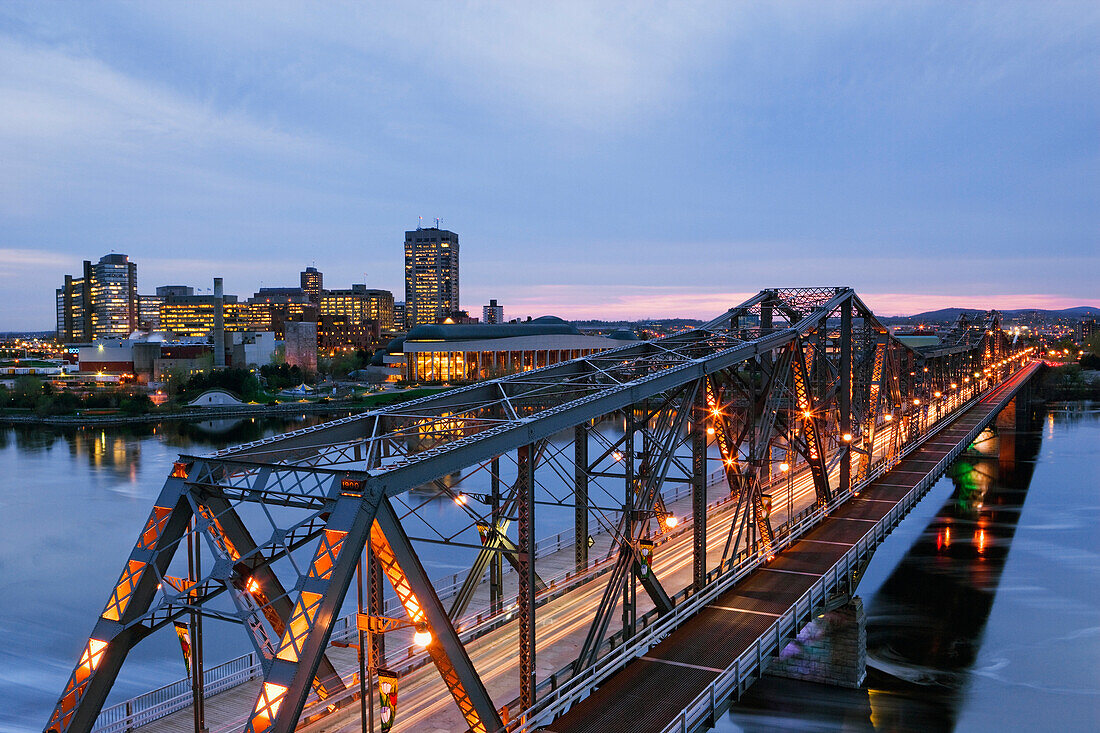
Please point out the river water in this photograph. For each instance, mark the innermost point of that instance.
(1004, 638)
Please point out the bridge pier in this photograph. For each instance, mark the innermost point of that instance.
(830, 650)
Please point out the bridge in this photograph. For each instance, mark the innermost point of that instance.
(825, 429)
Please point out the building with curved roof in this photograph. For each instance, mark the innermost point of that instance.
(469, 352)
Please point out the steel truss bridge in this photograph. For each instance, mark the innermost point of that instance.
(270, 535)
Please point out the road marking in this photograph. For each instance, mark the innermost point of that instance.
(684, 664)
(857, 519)
(883, 501)
(793, 572)
(744, 610)
(827, 542)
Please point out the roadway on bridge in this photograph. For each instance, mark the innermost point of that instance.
(650, 692)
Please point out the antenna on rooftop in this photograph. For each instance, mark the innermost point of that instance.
(437, 220)
(419, 222)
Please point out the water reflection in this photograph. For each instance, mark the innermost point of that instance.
(926, 621)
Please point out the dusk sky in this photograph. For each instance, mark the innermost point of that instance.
(597, 160)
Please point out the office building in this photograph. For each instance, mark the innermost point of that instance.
(431, 275)
(492, 313)
(102, 303)
(149, 312)
(74, 308)
(195, 316)
(272, 308)
(165, 290)
(359, 304)
(313, 284)
(400, 322)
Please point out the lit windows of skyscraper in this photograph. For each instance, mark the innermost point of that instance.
(431, 275)
(101, 304)
(313, 284)
(492, 313)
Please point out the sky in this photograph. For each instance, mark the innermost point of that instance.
(602, 160)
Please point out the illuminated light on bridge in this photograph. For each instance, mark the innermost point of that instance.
(422, 637)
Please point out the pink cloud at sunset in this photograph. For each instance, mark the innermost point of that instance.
(628, 303)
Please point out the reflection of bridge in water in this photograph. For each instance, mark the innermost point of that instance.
(805, 398)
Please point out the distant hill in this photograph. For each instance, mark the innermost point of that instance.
(950, 314)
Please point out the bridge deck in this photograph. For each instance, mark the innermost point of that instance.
(650, 692)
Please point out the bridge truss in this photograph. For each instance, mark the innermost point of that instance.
(808, 378)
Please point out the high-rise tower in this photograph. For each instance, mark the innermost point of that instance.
(101, 304)
(313, 284)
(431, 275)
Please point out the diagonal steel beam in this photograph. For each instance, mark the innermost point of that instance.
(400, 563)
(111, 640)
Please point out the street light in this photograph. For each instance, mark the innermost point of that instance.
(422, 637)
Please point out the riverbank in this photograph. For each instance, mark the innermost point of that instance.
(197, 414)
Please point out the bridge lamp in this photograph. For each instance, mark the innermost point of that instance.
(889, 417)
(784, 467)
(671, 521)
(461, 499)
(954, 385)
(937, 394)
(916, 402)
(422, 637)
(847, 437)
(710, 431)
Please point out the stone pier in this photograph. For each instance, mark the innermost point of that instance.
(830, 650)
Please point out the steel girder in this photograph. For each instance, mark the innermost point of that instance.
(778, 355)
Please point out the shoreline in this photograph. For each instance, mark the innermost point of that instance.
(191, 414)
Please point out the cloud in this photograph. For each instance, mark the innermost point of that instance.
(13, 260)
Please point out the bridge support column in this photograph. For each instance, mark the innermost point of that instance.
(830, 650)
(630, 589)
(580, 495)
(526, 596)
(699, 488)
(496, 564)
(844, 394)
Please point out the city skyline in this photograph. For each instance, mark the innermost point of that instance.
(597, 164)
